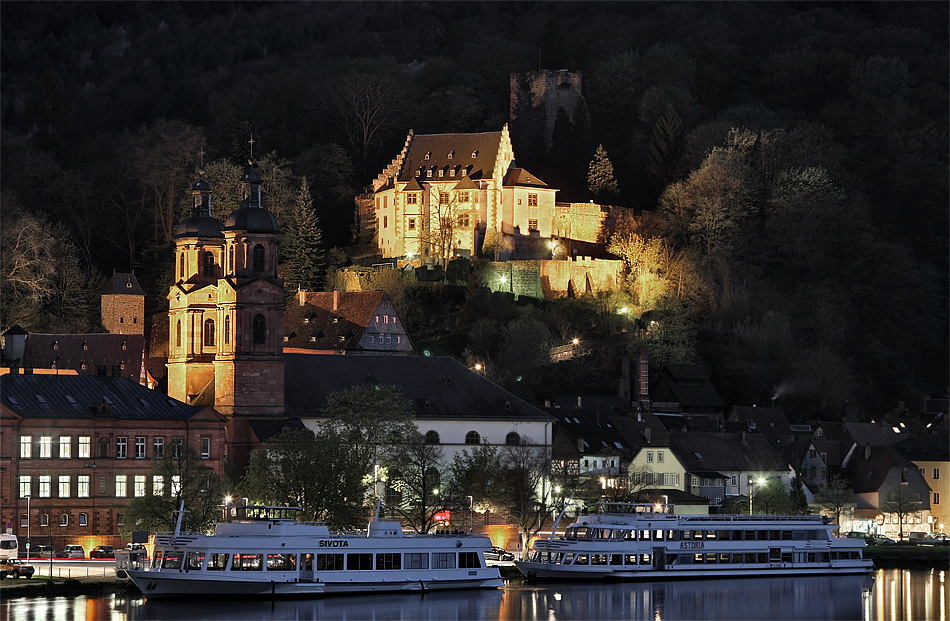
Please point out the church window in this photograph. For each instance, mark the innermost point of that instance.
(181, 265)
(231, 259)
(472, 437)
(209, 332)
(258, 258)
(432, 437)
(178, 334)
(227, 329)
(208, 264)
(385, 222)
(513, 438)
(260, 329)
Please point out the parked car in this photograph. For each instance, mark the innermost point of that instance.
(15, 568)
(102, 552)
(135, 546)
(499, 554)
(42, 551)
(936, 539)
(879, 540)
(72, 551)
(855, 534)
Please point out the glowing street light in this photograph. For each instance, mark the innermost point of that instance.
(758, 481)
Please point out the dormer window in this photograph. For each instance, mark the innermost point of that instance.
(474, 154)
(441, 172)
(451, 153)
(428, 154)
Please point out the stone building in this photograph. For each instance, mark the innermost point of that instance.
(535, 99)
(123, 305)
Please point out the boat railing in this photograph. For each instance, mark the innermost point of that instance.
(634, 508)
(756, 517)
(259, 512)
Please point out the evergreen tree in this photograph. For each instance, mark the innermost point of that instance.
(306, 257)
(600, 177)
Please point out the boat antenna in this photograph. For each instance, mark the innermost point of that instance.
(557, 522)
(181, 513)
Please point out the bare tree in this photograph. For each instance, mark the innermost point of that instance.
(417, 474)
(523, 487)
(901, 502)
(366, 105)
(836, 497)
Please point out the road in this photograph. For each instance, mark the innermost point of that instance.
(75, 568)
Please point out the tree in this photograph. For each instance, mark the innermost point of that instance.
(600, 177)
(314, 471)
(522, 487)
(183, 477)
(901, 502)
(836, 497)
(771, 498)
(670, 337)
(797, 496)
(416, 474)
(306, 257)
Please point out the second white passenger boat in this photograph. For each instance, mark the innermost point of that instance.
(626, 541)
(266, 552)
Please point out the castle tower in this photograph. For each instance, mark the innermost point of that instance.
(193, 314)
(249, 362)
(123, 305)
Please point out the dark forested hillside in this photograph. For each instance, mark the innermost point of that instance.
(791, 158)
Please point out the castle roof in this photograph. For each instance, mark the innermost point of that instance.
(124, 284)
(521, 177)
(472, 154)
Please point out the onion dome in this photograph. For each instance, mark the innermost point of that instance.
(251, 215)
(200, 223)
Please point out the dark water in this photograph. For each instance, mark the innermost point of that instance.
(886, 595)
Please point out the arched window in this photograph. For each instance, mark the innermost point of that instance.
(472, 437)
(208, 264)
(513, 438)
(260, 330)
(432, 437)
(258, 258)
(178, 334)
(231, 260)
(227, 329)
(209, 332)
(181, 265)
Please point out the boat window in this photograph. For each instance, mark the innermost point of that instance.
(218, 561)
(616, 559)
(658, 535)
(331, 562)
(629, 559)
(598, 559)
(737, 558)
(630, 535)
(582, 559)
(469, 560)
(726, 535)
(356, 562)
(306, 561)
(816, 535)
(194, 560)
(569, 558)
(645, 559)
(775, 535)
(799, 535)
(281, 562)
(698, 559)
(248, 562)
(698, 534)
(644, 535)
(749, 557)
(557, 558)
(709, 534)
(443, 560)
(749, 535)
(723, 557)
(762, 535)
(172, 560)
(710, 558)
(388, 560)
(157, 561)
(671, 535)
(416, 560)
(786, 535)
(686, 535)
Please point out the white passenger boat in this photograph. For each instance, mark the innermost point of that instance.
(266, 552)
(627, 541)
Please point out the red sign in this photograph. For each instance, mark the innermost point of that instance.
(880, 520)
(442, 516)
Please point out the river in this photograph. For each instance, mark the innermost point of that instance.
(886, 595)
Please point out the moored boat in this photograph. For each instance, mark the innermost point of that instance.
(629, 541)
(266, 552)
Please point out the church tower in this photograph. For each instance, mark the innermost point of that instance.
(249, 361)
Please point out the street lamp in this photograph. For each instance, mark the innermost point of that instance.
(29, 518)
(758, 481)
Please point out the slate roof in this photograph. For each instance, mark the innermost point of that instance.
(689, 385)
(599, 434)
(124, 284)
(726, 452)
(438, 387)
(315, 325)
(768, 420)
(868, 475)
(483, 145)
(78, 396)
(70, 351)
(521, 177)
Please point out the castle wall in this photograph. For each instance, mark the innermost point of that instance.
(550, 279)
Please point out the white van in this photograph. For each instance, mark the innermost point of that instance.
(9, 546)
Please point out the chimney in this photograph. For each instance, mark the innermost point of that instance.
(644, 375)
(336, 299)
(578, 401)
(648, 434)
(301, 296)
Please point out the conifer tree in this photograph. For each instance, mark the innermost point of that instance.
(306, 255)
(600, 177)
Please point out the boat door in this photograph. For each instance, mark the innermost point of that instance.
(659, 559)
(306, 567)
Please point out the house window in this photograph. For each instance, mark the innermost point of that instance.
(140, 447)
(936, 498)
(45, 484)
(258, 258)
(102, 484)
(158, 485)
(176, 485)
(532, 200)
(463, 196)
(44, 519)
(26, 447)
(260, 330)
(208, 264)
(650, 457)
(412, 198)
(176, 447)
(735, 480)
(82, 486)
(412, 224)
(120, 485)
(205, 448)
(472, 437)
(64, 519)
(659, 456)
(83, 519)
(936, 473)
(139, 485)
(24, 486)
(24, 520)
(118, 519)
(46, 447)
(385, 222)
(65, 447)
(432, 437)
(64, 486)
(443, 198)
(209, 332)
(513, 438)
(533, 224)
(694, 481)
(464, 220)
(121, 447)
(158, 447)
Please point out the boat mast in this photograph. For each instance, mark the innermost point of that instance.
(557, 522)
(181, 512)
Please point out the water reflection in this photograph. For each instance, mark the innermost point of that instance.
(887, 595)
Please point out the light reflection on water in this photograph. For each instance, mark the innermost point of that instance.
(887, 595)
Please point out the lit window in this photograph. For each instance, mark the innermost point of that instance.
(24, 486)
(26, 447)
(205, 448)
(65, 447)
(82, 486)
(176, 485)
(85, 444)
(120, 485)
(46, 447)
(139, 485)
(64, 486)
(158, 485)
(45, 484)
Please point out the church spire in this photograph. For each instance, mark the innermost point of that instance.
(251, 182)
(201, 193)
